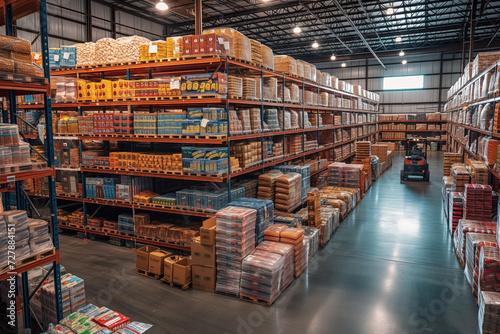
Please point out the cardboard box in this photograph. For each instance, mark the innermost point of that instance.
(156, 261)
(204, 278)
(182, 271)
(207, 232)
(168, 266)
(202, 255)
(142, 260)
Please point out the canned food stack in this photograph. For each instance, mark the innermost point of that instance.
(235, 239)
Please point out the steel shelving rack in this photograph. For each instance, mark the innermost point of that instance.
(455, 144)
(207, 65)
(13, 10)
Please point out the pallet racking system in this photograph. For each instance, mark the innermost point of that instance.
(202, 65)
(12, 85)
(460, 145)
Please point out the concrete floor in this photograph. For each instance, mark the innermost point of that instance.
(390, 268)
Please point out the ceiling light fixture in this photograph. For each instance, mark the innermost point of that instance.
(343, 64)
(333, 57)
(389, 11)
(398, 39)
(402, 53)
(315, 45)
(161, 5)
(404, 62)
(297, 30)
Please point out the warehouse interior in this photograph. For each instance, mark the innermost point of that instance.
(178, 166)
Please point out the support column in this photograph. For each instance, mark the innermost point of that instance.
(198, 14)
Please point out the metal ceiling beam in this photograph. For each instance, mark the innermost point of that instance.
(324, 25)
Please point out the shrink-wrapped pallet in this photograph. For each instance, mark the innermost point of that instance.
(235, 86)
(85, 54)
(484, 60)
(241, 44)
(288, 191)
(255, 120)
(267, 57)
(174, 47)
(300, 69)
(323, 99)
(256, 49)
(489, 308)
(249, 88)
(128, 48)
(9, 43)
(267, 185)
(270, 89)
(285, 64)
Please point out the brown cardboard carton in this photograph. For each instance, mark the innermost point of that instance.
(202, 255)
(156, 261)
(142, 259)
(204, 278)
(168, 266)
(207, 232)
(182, 271)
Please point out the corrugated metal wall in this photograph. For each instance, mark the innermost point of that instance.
(369, 74)
(74, 29)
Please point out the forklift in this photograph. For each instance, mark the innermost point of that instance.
(415, 163)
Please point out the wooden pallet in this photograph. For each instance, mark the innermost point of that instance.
(148, 274)
(91, 228)
(36, 257)
(189, 57)
(254, 300)
(75, 225)
(125, 234)
(108, 230)
(215, 176)
(236, 97)
(182, 287)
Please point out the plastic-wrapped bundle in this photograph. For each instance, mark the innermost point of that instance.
(489, 308)
(235, 86)
(267, 185)
(308, 98)
(487, 117)
(106, 51)
(313, 73)
(264, 217)
(288, 97)
(312, 235)
(323, 99)
(474, 242)
(288, 121)
(234, 242)
(242, 48)
(271, 119)
(493, 84)
(244, 117)
(285, 250)
(326, 79)
(249, 88)
(85, 54)
(294, 119)
(470, 226)
(294, 93)
(256, 51)
(174, 47)
(307, 70)
(285, 64)
(300, 69)
(267, 57)
(489, 269)
(270, 89)
(255, 120)
(288, 191)
(235, 126)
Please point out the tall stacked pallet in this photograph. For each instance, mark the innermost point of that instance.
(314, 208)
(363, 150)
(449, 160)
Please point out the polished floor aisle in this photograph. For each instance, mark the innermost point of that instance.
(389, 269)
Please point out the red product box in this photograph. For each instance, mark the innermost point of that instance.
(203, 38)
(112, 320)
(196, 41)
(203, 50)
(187, 50)
(196, 50)
(188, 40)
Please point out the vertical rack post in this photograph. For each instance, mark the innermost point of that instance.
(50, 153)
(228, 136)
(262, 109)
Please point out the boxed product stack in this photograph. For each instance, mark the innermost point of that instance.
(240, 46)
(330, 221)
(311, 236)
(363, 150)
(235, 229)
(345, 175)
(479, 173)
(288, 192)
(314, 207)
(489, 270)
(174, 47)
(474, 242)
(380, 150)
(305, 172)
(461, 177)
(267, 57)
(271, 120)
(470, 226)
(235, 86)
(455, 210)
(285, 64)
(478, 202)
(489, 308)
(265, 214)
(250, 88)
(287, 252)
(449, 160)
(256, 49)
(263, 273)
(267, 185)
(295, 237)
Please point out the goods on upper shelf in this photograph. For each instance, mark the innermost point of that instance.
(16, 57)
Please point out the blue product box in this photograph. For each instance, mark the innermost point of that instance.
(191, 152)
(193, 165)
(204, 84)
(54, 57)
(191, 127)
(215, 166)
(195, 113)
(216, 153)
(67, 56)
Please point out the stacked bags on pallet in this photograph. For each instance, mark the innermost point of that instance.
(293, 236)
(288, 192)
(265, 214)
(267, 185)
(235, 230)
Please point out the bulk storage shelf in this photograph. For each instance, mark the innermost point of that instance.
(125, 237)
(12, 85)
(433, 140)
(60, 196)
(473, 80)
(488, 133)
(423, 121)
(412, 130)
(475, 156)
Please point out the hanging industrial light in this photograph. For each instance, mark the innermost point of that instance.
(404, 62)
(297, 30)
(343, 64)
(161, 5)
(389, 11)
(333, 57)
(315, 45)
(398, 39)
(402, 53)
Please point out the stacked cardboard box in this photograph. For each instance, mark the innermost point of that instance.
(203, 257)
(363, 150)
(470, 226)
(455, 211)
(474, 242)
(449, 160)
(489, 308)
(478, 202)
(461, 176)
(314, 207)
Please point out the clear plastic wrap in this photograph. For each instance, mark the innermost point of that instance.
(255, 120)
(294, 93)
(174, 47)
(249, 88)
(270, 89)
(300, 69)
(285, 64)
(241, 44)
(235, 86)
(267, 57)
(489, 308)
(10, 43)
(244, 117)
(323, 99)
(128, 48)
(486, 117)
(6, 65)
